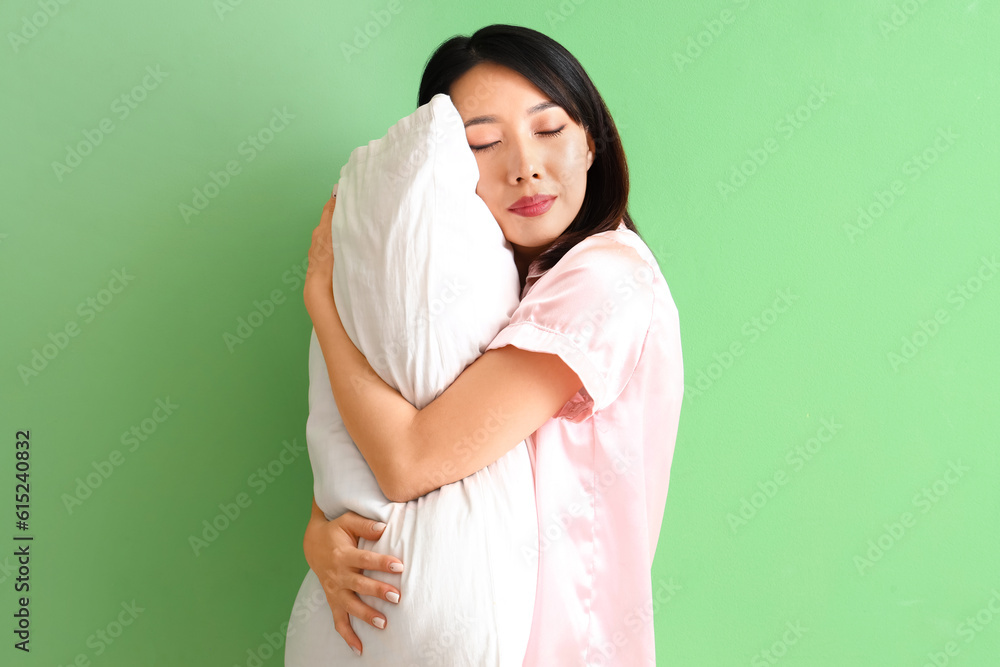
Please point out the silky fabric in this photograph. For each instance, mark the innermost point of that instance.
(602, 463)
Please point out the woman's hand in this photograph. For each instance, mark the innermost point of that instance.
(331, 549)
(318, 289)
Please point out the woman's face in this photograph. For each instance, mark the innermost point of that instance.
(523, 149)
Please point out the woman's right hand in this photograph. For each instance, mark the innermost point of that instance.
(331, 549)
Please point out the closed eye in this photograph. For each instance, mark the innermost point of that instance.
(488, 147)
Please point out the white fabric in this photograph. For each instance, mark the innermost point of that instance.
(423, 280)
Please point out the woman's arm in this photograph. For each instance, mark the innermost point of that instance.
(494, 404)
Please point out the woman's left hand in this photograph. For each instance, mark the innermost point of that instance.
(318, 290)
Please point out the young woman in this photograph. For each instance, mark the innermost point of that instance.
(589, 369)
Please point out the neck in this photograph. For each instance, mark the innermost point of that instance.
(522, 276)
(522, 263)
(523, 257)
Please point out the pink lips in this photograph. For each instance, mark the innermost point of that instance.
(532, 206)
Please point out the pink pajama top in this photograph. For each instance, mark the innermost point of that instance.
(602, 463)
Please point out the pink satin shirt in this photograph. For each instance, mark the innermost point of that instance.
(602, 463)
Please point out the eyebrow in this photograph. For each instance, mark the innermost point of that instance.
(482, 120)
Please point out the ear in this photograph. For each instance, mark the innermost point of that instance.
(591, 150)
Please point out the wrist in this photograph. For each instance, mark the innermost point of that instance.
(312, 536)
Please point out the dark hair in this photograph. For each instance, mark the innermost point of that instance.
(555, 72)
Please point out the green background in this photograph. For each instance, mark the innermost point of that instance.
(873, 547)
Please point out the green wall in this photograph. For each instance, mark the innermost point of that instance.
(817, 179)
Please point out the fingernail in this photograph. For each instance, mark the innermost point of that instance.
(378, 525)
(392, 596)
(356, 651)
(395, 567)
(379, 622)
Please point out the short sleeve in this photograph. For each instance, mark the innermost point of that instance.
(593, 309)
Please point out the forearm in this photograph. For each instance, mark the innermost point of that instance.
(376, 416)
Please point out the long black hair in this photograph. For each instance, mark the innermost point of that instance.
(554, 70)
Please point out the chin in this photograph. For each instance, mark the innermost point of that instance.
(531, 233)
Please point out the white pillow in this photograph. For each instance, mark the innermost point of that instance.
(423, 279)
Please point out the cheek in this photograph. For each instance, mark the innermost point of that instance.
(485, 176)
(488, 184)
(480, 162)
(573, 167)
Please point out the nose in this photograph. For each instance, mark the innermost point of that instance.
(524, 161)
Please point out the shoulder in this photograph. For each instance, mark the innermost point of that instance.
(616, 247)
(645, 267)
(602, 285)
(613, 249)
(612, 262)
(594, 309)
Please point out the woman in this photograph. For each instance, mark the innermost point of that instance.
(589, 369)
